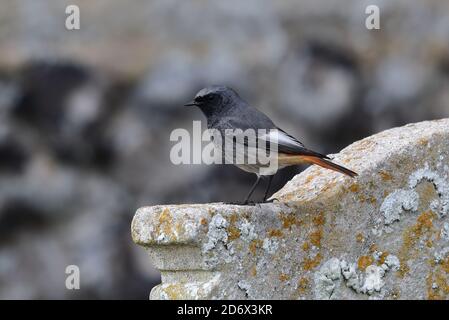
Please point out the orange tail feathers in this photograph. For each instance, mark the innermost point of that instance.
(329, 165)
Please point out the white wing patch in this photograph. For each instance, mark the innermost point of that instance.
(281, 138)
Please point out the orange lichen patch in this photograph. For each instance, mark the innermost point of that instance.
(203, 221)
(315, 237)
(306, 246)
(312, 175)
(254, 244)
(373, 248)
(174, 291)
(311, 263)
(359, 237)
(303, 285)
(385, 176)
(373, 200)
(404, 268)
(289, 220)
(283, 277)
(319, 219)
(309, 178)
(423, 142)
(233, 218)
(424, 223)
(288, 197)
(411, 236)
(275, 233)
(445, 265)
(364, 262)
(253, 271)
(382, 257)
(354, 187)
(233, 231)
(165, 224)
(441, 290)
(165, 217)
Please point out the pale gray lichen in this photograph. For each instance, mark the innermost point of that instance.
(247, 232)
(408, 200)
(397, 202)
(245, 286)
(191, 228)
(350, 274)
(194, 290)
(441, 255)
(377, 255)
(445, 231)
(373, 279)
(440, 183)
(270, 245)
(391, 263)
(335, 271)
(325, 279)
(435, 204)
(216, 233)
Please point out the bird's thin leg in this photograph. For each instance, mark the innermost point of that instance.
(252, 190)
(268, 188)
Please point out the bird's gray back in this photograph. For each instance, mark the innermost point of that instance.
(241, 116)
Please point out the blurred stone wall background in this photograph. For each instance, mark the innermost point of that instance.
(85, 115)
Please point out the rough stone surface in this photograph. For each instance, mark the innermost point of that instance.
(383, 235)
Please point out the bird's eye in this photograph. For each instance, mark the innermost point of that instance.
(210, 97)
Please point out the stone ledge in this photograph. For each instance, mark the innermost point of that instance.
(383, 235)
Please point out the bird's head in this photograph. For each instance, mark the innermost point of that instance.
(214, 99)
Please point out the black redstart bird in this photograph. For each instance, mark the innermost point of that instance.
(225, 110)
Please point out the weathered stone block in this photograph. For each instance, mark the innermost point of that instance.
(382, 235)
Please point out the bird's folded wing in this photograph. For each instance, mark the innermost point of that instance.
(288, 144)
(278, 138)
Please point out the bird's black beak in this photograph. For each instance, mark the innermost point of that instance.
(191, 103)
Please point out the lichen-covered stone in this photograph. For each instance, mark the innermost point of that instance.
(383, 235)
